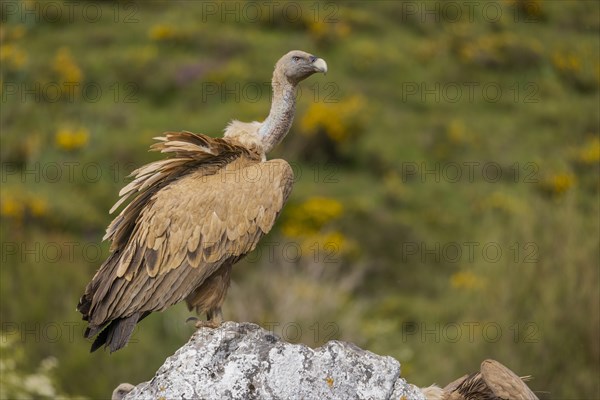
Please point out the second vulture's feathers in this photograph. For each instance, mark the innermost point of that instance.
(192, 216)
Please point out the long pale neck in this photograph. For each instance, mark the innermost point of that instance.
(279, 121)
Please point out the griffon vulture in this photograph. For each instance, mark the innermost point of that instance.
(494, 381)
(192, 216)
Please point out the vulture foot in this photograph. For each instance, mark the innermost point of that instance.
(204, 324)
(214, 319)
(208, 324)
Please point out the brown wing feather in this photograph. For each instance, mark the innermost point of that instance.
(504, 383)
(191, 152)
(196, 215)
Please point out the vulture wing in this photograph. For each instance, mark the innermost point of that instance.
(207, 206)
(504, 383)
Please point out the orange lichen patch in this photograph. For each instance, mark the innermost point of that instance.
(329, 381)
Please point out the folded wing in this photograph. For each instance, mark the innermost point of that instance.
(190, 214)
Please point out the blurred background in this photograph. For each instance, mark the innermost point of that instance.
(445, 208)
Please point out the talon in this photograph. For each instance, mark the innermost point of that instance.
(208, 324)
(190, 319)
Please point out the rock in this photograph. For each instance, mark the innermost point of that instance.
(244, 361)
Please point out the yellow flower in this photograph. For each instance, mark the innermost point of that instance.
(574, 62)
(68, 139)
(13, 55)
(503, 202)
(590, 152)
(38, 207)
(309, 223)
(19, 59)
(466, 280)
(317, 28)
(12, 208)
(335, 240)
(66, 68)
(6, 51)
(338, 120)
(161, 32)
(560, 183)
(566, 62)
(309, 217)
(457, 131)
(322, 209)
(327, 247)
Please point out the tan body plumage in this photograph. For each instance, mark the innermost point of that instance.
(192, 216)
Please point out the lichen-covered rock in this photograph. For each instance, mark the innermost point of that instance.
(244, 361)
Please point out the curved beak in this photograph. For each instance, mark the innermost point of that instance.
(320, 65)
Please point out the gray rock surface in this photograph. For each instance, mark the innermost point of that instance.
(244, 361)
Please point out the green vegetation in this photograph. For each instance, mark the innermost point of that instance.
(446, 205)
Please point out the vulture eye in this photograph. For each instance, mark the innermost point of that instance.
(296, 58)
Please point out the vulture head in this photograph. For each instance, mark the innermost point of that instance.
(290, 70)
(121, 391)
(298, 65)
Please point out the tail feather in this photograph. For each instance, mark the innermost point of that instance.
(116, 335)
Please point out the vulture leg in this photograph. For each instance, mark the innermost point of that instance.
(209, 296)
